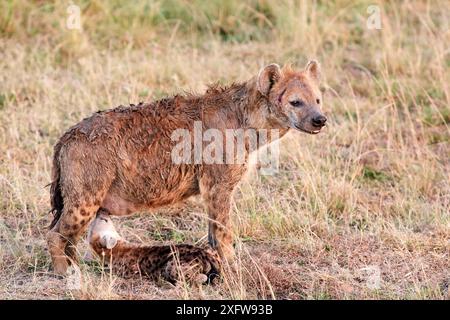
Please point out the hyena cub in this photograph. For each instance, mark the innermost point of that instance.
(171, 262)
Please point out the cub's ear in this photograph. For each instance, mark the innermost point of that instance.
(313, 69)
(267, 77)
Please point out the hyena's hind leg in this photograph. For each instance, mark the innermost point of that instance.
(77, 192)
(63, 237)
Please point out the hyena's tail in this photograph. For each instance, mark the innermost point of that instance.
(56, 198)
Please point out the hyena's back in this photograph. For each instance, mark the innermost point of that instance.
(120, 160)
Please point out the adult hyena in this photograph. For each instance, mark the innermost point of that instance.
(119, 161)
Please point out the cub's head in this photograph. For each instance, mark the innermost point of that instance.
(294, 97)
(102, 232)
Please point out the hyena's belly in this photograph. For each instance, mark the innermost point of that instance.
(143, 193)
(118, 206)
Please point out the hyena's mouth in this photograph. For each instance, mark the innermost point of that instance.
(307, 131)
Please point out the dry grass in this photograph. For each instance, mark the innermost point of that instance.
(370, 193)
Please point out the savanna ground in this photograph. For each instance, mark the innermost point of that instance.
(358, 211)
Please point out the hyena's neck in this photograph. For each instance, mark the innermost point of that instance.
(244, 107)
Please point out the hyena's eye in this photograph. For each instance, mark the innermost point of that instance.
(318, 101)
(297, 103)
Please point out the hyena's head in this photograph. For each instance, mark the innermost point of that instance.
(294, 97)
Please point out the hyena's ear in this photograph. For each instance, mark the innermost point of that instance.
(267, 77)
(313, 69)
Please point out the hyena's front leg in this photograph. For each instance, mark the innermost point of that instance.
(217, 197)
(220, 235)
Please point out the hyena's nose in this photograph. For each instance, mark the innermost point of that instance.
(319, 121)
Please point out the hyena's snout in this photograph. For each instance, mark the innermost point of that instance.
(318, 120)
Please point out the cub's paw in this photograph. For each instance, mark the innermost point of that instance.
(192, 264)
(212, 265)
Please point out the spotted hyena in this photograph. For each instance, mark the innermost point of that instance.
(119, 161)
